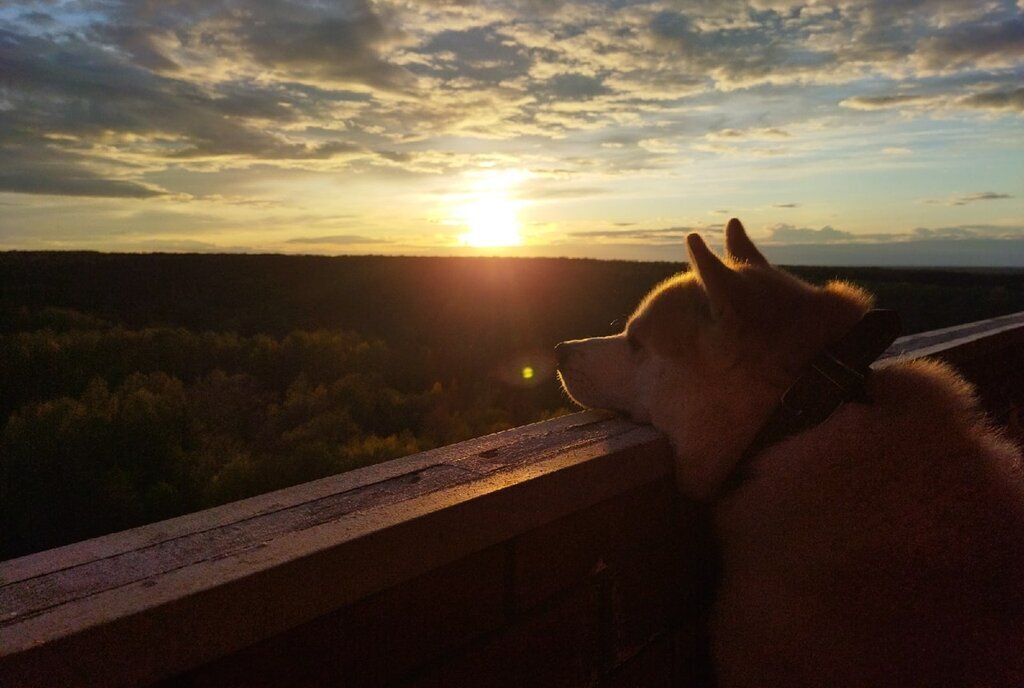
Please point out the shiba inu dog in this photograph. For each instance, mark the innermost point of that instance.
(882, 546)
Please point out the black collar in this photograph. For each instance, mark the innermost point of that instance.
(835, 376)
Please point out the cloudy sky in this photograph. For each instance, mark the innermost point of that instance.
(840, 131)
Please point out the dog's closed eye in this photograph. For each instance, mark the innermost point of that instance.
(634, 342)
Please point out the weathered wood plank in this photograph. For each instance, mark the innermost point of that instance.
(960, 342)
(37, 594)
(260, 586)
(489, 447)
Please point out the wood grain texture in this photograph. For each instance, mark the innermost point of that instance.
(159, 600)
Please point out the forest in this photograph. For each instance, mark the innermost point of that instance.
(135, 388)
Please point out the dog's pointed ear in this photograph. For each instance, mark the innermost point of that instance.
(720, 281)
(739, 246)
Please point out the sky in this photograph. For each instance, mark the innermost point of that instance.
(864, 132)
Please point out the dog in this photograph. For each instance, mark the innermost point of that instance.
(883, 546)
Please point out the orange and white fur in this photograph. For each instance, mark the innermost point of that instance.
(883, 547)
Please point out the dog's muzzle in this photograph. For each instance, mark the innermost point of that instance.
(562, 351)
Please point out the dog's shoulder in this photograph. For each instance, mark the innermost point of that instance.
(929, 386)
(931, 404)
(921, 460)
(905, 513)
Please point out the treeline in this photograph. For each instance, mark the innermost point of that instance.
(402, 298)
(135, 388)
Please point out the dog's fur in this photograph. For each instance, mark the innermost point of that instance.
(884, 547)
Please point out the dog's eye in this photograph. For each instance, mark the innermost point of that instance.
(634, 343)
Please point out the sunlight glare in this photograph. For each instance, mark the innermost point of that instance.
(491, 221)
(489, 214)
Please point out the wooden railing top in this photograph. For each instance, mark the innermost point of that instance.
(133, 607)
(959, 342)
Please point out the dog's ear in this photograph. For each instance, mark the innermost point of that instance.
(720, 281)
(739, 246)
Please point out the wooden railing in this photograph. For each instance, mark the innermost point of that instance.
(552, 554)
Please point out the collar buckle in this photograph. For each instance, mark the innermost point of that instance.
(826, 383)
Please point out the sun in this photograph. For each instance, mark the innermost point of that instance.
(492, 221)
(489, 212)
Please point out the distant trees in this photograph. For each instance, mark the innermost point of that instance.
(74, 467)
(109, 427)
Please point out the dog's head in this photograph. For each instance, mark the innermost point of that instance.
(707, 353)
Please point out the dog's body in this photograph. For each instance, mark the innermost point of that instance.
(883, 547)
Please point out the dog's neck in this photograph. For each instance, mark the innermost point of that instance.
(837, 375)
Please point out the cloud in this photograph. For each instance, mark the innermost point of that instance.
(969, 232)
(338, 43)
(785, 205)
(45, 170)
(658, 145)
(71, 183)
(746, 142)
(971, 198)
(957, 245)
(76, 89)
(547, 192)
(665, 235)
(996, 100)
(79, 120)
(983, 196)
(576, 87)
(752, 54)
(790, 234)
(337, 239)
(37, 18)
(741, 151)
(477, 54)
(986, 44)
(334, 42)
(924, 252)
(142, 43)
(947, 98)
(886, 102)
(747, 134)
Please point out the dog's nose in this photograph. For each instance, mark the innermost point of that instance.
(561, 353)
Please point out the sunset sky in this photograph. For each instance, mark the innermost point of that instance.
(841, 131)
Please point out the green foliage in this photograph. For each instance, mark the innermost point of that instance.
(110, 427)
(71, 468)
(135, 388)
